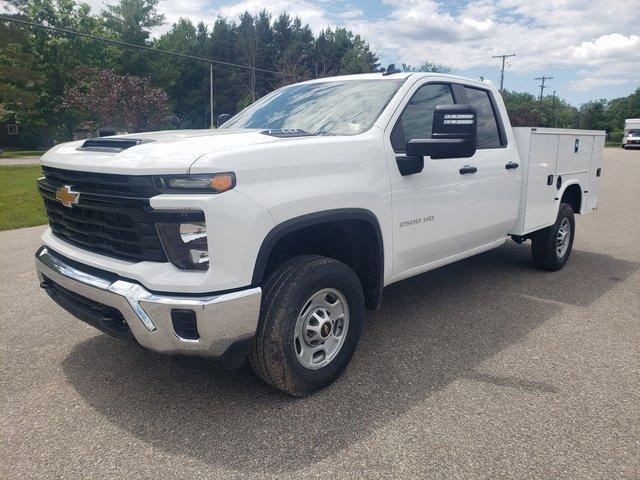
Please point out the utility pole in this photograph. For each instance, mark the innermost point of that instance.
(542, 85)
(553, 109)
(211, 93)
(503, 57)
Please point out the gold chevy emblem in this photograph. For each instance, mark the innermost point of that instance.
(67, 197)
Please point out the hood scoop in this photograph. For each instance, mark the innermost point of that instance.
(111, 144)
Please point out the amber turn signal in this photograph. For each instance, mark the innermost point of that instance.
(199, 183)
(222, 182)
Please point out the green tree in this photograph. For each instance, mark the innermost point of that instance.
(186, 81)
(339, 52)
(131, 21)
(254, 38)
(222, 48)
(55, 56)
(19, 83)
(292, 44)
(427, 66)
(593, 115)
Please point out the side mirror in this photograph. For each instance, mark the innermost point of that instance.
(454, 134)
(222, 118)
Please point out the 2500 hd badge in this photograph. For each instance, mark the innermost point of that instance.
(416, 221)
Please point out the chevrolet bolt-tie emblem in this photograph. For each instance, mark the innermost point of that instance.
(67, 197)
(325, 330)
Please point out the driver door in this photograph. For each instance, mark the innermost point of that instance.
(433, 209)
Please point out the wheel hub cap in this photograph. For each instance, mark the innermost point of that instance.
(564, 238)
(325, 330)
(321, 328)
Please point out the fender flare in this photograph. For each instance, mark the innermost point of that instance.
(293, 224)
(560, 194)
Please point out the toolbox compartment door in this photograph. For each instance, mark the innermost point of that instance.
(574, 154)
(540, 196)
(595, 173)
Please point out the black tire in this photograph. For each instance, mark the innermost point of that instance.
(272, 355)
(544, 242)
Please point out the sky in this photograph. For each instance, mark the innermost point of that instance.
(591, 48)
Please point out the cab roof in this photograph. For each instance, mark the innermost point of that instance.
(401, 76)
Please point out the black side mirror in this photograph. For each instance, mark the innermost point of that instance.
(223, 117)
(454, 134)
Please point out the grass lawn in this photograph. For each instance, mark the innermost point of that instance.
(12, 152)
(20, 203)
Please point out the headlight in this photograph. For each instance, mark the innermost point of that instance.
(185, 244)
(208, 183)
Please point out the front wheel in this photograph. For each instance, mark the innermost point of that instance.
(551, 246)
(310, 324)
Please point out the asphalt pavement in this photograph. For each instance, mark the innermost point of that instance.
(487, 368)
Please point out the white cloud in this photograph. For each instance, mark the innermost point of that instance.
(350, 13)
(589, 83)
(6, 7)
(606, 46)
(568, 34)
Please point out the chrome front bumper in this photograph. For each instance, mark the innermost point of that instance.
(223, 320)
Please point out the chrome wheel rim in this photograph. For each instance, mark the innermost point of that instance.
(563, 238)
(321, 328)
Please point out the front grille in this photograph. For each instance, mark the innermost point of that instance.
(113, 216)
(139, 186)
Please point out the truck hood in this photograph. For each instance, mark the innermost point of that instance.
(172, 151)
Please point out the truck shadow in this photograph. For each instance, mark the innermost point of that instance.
(432, 330)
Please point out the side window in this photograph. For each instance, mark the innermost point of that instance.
(416, 120)
(488, 135)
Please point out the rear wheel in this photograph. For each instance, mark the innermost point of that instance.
(310, 324)
(551, 246)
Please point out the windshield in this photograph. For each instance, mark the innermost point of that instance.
(344, 107)
(634, 133)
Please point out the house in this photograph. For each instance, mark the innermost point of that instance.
(9, 134)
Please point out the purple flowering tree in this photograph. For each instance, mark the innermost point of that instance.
(128, 103)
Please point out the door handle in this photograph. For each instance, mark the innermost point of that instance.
(511, 165)
(468, 169)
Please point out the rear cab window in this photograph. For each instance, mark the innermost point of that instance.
(490, 134)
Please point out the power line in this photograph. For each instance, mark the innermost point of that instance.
(542, 85)
(142, 47)
(503, 57)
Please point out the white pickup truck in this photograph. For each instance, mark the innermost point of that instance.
(267, 238)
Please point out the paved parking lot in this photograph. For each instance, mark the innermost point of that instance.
(485, 368)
